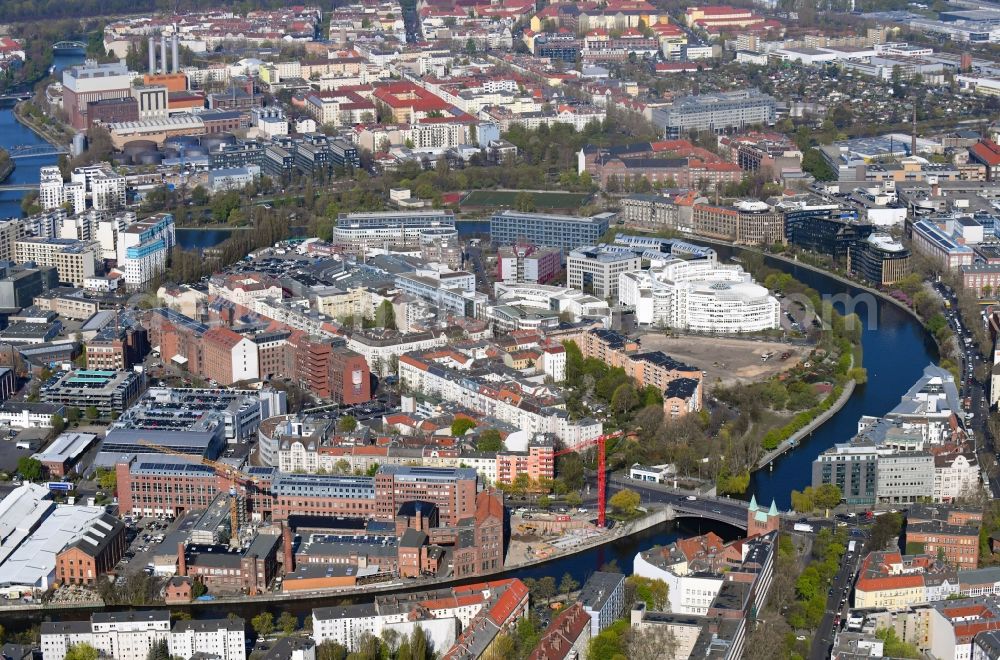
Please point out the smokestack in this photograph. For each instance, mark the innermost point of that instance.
(181, 559)
(287, 538)
(152, 56)
(175, 55)
(163, 52)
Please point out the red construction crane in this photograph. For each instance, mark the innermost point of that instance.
(602, 475)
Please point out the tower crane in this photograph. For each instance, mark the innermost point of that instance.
(237, 509)
(602, 476)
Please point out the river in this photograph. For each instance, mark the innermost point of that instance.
(13, 134)
(896, 350)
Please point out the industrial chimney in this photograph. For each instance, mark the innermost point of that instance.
(152, 56)
(163, 52)
(175, 55)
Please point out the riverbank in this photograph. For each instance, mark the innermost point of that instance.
(793, 441)
(616, 534)
(6, 165)
(45, 132)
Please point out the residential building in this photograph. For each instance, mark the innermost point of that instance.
(143, 248)
(851, 467)
(74, 260)
(127, 635)
(467, 615)
(566, 638)
(526, 263)
(603, 599)
(224, 639)
(229, 357)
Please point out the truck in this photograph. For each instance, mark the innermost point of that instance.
(851, 546)
(803, 527)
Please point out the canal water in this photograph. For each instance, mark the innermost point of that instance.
(896, 350)
(13, 134)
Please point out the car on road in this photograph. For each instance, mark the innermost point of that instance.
(691, 498)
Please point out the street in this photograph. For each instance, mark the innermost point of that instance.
(837, 604)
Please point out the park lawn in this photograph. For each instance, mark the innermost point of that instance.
(543, 200)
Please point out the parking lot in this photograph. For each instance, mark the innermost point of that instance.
(144, 537)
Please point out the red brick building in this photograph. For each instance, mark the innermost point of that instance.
(950, 531)
(84, 561)
(249, 571)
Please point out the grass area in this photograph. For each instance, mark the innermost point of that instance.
(543, 200)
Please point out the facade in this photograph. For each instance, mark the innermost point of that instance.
(223, 638)
(92, 82)
(930, 240)
(700, 295)
(879, 259)
(469, 613)
(143, 248)
(747, 222)
(603, 599)
(74, 260)
(229, 357)
(718, 112)
(121, 635)
(524, 263)
(595, 270)
(825, 230)
(131, 635)
(905, 477)
(110, 392)
(566, 232)
(851, 467)
(397, 229)
(93, 554)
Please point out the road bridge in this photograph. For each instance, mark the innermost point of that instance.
(686, 504)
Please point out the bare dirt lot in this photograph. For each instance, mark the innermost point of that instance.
(729, 360)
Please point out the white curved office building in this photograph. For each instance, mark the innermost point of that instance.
(699, 295)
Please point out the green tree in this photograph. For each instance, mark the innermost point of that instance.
(81, 652)
(827, 496)
(72, 415)
(372, 470)
(624, 399)
(263, 624)
(894, 647)
(91, 412)
(30, 469)
(287, 622)
(525, 202)
(57, 422)
(385, 316)
(624, 503)
(158, 651)
(347, 424)
(462, 425)
(568, 584)
(198, 589)
(107, 479)
(489, 440)
(650, 591)
(199, 196)
(331, 651)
